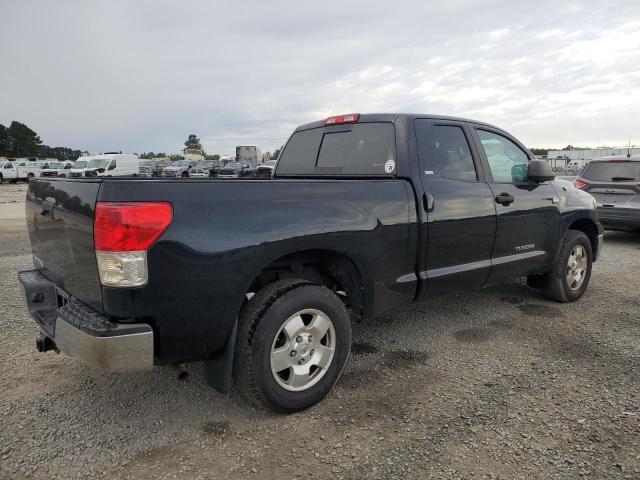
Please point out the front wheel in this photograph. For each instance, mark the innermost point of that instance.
(569, 277)
(294, 339)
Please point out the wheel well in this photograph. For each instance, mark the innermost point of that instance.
(329, 268)
(588, 227)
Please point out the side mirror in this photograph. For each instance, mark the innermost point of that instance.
(540, 171)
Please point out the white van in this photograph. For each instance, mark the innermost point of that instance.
(77, 170)
(112, 165)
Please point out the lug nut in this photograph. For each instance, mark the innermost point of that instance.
(293, 353)
(299, 339)
(311, 352)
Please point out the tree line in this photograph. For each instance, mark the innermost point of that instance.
(18, 140)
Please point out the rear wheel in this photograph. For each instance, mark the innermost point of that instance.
(185, 174)
(294, 339)
(62, 175)
(30, 176)
(1, 178)
(570, 275)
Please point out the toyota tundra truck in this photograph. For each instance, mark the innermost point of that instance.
(262, 279)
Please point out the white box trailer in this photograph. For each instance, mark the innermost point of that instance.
(248, 154)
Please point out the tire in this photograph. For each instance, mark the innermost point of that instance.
(557, 284)
(1, 179)
(30, 177)
(261, 332)
(185, 174)
(62, 175)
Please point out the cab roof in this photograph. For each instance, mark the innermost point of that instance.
(393, 117)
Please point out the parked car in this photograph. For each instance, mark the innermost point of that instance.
(615, 184)
(208, 168)
(178, 168)
(147, 168)
(231, 170)
(266, 169)
(8, 171)
(365, 213)
(112, 165)
(160, 164)
(247, 172)
(78, 167)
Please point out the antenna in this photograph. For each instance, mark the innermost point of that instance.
(629, 150)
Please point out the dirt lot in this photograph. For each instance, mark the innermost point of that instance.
(493, 384)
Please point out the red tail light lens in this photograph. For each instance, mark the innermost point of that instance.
(341, 119)
(580, 184)
(130, 226)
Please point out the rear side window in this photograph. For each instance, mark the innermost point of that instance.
(359, 149)
(612, 171)
(453, 154)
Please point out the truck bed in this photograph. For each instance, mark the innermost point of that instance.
(223, 234)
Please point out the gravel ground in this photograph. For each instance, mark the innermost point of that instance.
(493, 384)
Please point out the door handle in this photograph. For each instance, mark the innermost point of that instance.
(427, 202)
(504, 199)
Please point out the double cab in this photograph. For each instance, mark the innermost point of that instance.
(262, 279)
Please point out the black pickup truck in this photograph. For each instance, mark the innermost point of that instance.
(261, 279)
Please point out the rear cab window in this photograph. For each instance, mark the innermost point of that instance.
(612, 171)
(360, 149)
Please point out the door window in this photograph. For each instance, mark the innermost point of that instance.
(453, 154)
(507, 161)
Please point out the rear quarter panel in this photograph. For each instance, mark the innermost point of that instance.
(225, 232)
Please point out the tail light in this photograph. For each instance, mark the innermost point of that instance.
(580, 184)
(342, 119)
(122, 233)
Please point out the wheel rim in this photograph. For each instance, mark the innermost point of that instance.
(577, 267)
(302, 350)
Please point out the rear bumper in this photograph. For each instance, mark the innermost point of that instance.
(618, 217)
(83, 333)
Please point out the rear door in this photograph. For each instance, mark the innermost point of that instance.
(59, 216)
(528, 232)
(459, 206)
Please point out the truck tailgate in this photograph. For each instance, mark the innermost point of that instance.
(59, 217)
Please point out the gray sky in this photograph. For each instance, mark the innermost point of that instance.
(142, 75)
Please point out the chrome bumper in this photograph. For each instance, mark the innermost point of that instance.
(117, 353)
(83, 333)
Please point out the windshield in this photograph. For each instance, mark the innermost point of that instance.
(270, 163)
(56, 165)
(616, 171)
(80, 164)
(147, 163)
(98, 163)
(179, 163)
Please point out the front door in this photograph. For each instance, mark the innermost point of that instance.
(459, 207)
(528, 215)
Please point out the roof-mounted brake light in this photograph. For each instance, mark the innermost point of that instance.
(341, 119)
